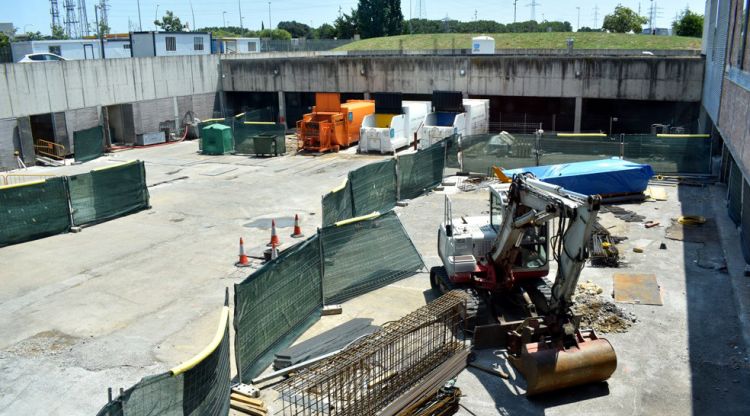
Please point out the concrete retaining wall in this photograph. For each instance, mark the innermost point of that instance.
(49, 87)
(635, 78)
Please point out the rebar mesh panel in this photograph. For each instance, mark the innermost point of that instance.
(245, 132)
(735, 193)
(34, 211)
(274, 305)
(101, 195)
(202, 390)
(365, 255)
(88, 144)
(420, 171)
(670, 154)
(374, 187)
(479, 153)
(337, 205)
(375, 370)
(555, 149)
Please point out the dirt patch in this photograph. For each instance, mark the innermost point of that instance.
(45, 343)
(598, 312)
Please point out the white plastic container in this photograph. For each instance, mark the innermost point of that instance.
(482, 45)
(438, 126)
(386, 133)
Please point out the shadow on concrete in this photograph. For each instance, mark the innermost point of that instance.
(719, 372)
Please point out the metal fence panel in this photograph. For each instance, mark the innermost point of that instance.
(108, 193)
(556, 149)
(670, 154)
(33, 210)
(88, 144)
(244, 132)
(374, 187)
(420, 171)
(480, 152)
(274, 305)
(363, 255)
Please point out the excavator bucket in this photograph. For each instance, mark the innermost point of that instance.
(547, 368)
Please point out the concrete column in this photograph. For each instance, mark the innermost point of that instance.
(367, 95)
(282, 108)
(579, 109)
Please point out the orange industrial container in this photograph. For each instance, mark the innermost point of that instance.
(332, 125)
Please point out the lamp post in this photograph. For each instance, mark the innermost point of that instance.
(224, 18)
(156, 14)
(270, 26)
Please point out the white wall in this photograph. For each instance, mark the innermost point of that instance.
(114, 49)
(142, 44)
(185, 44)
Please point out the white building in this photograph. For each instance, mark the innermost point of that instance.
(236, 45)
(170, 43)
(73, 49)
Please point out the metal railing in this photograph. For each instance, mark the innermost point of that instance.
(49, 149)
(19, 178)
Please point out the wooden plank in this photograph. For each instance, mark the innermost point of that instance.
(248, 400)
(247, 409)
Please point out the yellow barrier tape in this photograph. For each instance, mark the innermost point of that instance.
(684, 136)
(18, 185)
(239, 115)
(358, 219)
(581, 135)
(114, 166)
(187, 365)
(209, 120)
(340, 187)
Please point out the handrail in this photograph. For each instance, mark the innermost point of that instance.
(50, 149)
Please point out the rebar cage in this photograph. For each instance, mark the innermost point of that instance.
(378, 368)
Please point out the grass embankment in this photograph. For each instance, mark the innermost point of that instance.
(553, 40)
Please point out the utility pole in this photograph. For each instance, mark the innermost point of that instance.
(156, 14)
(239, 6)
(99, 28)
(515, 3)
(270, 25)
(193, 12)
(224, 18)
(596, 15)
(140, 23)
(54, 11)
(578, 24)
(533, 5)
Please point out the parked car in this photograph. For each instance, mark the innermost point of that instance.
(42, 57)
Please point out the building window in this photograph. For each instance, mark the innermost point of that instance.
(252, 47)
(198, 43)
(55, 50)
(171, 43)
(743, 36)
(126, 46)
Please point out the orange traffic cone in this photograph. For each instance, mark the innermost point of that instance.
(244, 261)
(297, 230)
(274, 236)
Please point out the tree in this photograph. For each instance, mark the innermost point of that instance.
(32, 36)
(325, 31)
(394, 20)
(688, 24)
(58, 33)
(377, 18)
(276, 34)
(170, 23)
(588, 29)
(624, 20)
(346, 25)
(4, 40)
(296, 29)
(104, 29)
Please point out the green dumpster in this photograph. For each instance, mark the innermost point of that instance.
(269, 144)
(217, 139)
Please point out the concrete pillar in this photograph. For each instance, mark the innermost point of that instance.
(579, 109)
(367, 95)
(282, 107)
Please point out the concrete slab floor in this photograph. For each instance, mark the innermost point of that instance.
(137, 295)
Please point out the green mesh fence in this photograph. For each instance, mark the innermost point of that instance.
(201, 390)
(374, 187)
(670, 154)
(108, 193)
(735, 193)
(259, 114)
(244, 132)
(569, 149)
(365, 255)
(89, 143)
(337, 204)
(482, 151)
(420, 171)
(451, 152)
(33, 211)
(274, 305)
(745, 222)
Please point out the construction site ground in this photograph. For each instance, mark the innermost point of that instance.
(134, 296)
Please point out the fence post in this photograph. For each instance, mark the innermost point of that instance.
(537, 144)
(622, 146)
(322, 267)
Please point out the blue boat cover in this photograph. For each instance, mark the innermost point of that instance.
(607, 176)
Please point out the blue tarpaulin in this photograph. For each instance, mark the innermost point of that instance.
(604, 177)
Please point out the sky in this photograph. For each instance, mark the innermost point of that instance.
(33, 15)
